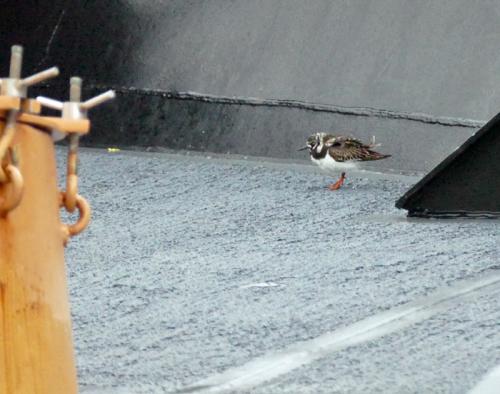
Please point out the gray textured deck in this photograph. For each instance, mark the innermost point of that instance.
(195, 266)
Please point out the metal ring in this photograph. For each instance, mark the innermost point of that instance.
(84, 215)
(16, 186)
(71, 193)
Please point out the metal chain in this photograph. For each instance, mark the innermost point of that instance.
(75, 109)
(5, 141)
(84, 213)
(13, 189)
(70, 199)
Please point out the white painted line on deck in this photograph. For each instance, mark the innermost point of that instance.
(271, 366)
(489, 384)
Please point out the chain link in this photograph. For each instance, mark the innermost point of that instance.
(81, 224)
(12, 189)
(5, 142)
(11, 179)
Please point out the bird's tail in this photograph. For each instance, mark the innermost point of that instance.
(372, 155)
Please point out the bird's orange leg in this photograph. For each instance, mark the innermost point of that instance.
(337, 185)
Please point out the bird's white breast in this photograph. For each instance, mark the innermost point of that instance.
(329, 165)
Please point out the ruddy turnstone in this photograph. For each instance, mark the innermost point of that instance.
(334, 152)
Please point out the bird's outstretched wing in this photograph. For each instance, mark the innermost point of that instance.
(351, 149)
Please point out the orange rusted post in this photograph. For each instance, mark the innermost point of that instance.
(36, 350)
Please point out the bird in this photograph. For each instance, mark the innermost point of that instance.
(337, 152)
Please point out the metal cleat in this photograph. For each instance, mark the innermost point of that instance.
(74, 109)
(14, 85)
(13, 98)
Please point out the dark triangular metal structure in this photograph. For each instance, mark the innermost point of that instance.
(466, 183)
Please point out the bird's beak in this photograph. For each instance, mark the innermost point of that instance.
(303, 148)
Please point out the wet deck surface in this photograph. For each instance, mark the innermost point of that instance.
(213, 274)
